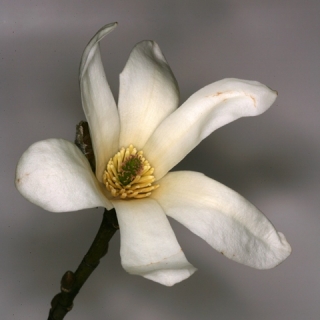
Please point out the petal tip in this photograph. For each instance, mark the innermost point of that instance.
(170, 277)
(279, 252)
(285, 244)
(87, 53)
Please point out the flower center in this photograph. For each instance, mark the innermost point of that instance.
(129, 174)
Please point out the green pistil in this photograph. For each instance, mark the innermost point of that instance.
(129, 170)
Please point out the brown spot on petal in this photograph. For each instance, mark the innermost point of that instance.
(230, 92)
(215, 95)
(252, 98)
(19, 180)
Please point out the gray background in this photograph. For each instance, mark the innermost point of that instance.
(272, 160)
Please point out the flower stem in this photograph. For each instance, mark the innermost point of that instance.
(71, 283)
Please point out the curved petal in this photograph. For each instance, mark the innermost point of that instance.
(205, 111)
(148, 93)
(56, 176)
(223, 218)
(98, 102)
(148, 244)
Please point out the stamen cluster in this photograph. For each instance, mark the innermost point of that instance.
(129, 174)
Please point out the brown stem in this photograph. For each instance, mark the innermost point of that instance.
(71, 283)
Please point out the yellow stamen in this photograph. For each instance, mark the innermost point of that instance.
(129, 175)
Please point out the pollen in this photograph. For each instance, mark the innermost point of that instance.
(129, 175)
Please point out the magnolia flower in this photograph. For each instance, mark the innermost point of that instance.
(135, 145)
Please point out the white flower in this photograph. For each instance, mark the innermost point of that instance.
(56, 176)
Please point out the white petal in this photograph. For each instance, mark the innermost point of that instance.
(56, 176)
(148, 244)
(148, 93)
(205, 111)
(98, 103)
(223, 218)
